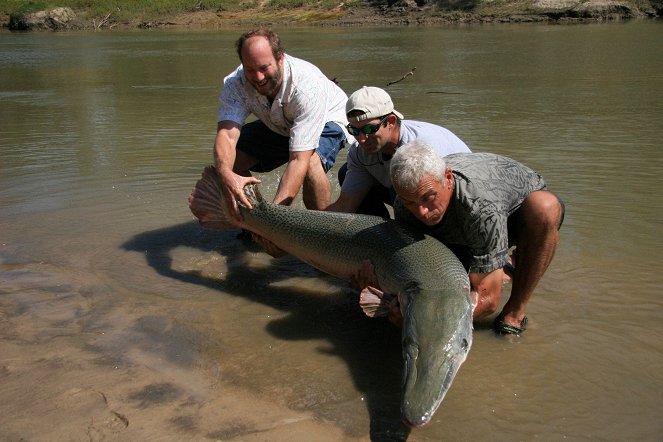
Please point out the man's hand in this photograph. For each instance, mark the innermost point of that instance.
(232, 185)
(373, 301)
(225, 157)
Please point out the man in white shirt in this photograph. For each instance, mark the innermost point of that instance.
(379, 130)
(301, 123)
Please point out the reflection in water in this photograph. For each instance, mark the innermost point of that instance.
(103, 136)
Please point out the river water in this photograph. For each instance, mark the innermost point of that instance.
(121, 319)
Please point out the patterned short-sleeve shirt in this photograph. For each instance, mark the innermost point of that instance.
(488, 188)
(306, 101)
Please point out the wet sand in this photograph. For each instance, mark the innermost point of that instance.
(182, 334)
(61, 392)
(73, 367)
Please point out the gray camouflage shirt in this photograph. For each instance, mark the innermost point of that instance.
(487, 189)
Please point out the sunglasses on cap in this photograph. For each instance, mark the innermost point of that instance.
(367, 129)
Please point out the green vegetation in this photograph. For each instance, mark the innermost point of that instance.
(148, 13)
(133, 10)
(22, 7)
(121, 9)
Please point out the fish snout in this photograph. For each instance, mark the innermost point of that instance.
(416, 421)
(427, 379)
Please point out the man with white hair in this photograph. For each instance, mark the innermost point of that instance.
(480, 205)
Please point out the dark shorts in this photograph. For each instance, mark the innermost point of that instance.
(272, 150)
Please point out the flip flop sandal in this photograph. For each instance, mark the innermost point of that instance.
(502, 328)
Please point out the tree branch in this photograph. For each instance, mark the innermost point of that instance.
(403, 77)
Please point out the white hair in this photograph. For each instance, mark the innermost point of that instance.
(412, 161)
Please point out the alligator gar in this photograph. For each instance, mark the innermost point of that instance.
(430, 282)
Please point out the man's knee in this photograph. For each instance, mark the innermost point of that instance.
(315, 169)
(315, 162)
(543, 209)
(316, 188)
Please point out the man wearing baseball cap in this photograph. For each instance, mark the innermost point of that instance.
(379, 130)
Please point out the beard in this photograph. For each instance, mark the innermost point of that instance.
(269, 86)
(372, 146)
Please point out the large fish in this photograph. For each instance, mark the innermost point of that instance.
(431, 284)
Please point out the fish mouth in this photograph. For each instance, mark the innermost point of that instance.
(436, 340)
(426, 385)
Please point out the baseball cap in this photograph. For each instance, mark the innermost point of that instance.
(372, 101)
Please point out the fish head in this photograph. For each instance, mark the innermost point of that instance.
(436, 338)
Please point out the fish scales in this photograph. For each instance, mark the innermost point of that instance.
(431, 284)
(337, 243)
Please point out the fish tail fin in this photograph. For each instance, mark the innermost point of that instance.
(208, 203)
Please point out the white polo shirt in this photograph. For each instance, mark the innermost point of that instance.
(306, 102)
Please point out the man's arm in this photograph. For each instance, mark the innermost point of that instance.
(291, 182)
(224, 157)
(293, 177)
(347, 202)
(227, 134)
(488, 288)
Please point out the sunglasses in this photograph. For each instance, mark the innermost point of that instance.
(368, 129)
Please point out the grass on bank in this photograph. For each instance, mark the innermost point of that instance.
(304, 11)
(132, 9)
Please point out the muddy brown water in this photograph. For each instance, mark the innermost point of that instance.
(120, 319)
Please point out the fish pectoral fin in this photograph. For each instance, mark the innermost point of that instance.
(375, 303)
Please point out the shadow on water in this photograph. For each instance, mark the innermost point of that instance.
(371, 348)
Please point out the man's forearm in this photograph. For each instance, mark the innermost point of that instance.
(488, 288)
(347, 202)
(292, 180)
(224, 156)
(224, 145)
